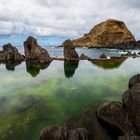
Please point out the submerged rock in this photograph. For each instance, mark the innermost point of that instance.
(106, 33)
(124, 117)
(70, 53)
(33, 52)
(10, 53)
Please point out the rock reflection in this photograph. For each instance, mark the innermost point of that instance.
(10, 65)
(113, 63)
(34, 68)
(70, 67)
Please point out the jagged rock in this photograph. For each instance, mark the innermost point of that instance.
(86, 126)
(33, 52)
(84, 57)
(106, 33)
(113, 114)
(103, 56)
(63, 133)
(10, 53)
(124, 116)
(134, 80)
(131, 102)
(70, 53)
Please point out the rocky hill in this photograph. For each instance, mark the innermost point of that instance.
(106, 33)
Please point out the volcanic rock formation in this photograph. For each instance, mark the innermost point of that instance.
(70, 53)
(33, 52)
(106, 33)
(10, 53)
(124, 118)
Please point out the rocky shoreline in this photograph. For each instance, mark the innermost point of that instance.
(104, 121)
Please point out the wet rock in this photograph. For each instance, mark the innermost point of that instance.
(134, 80)
(63, 133)
(84, 57)
(106, 34)
(130, 54)
(103, 56)
(70, 53)
(33, 52)
(113, 114)
(85, 127)
(125, 116)
(131, 102)
(10, 53)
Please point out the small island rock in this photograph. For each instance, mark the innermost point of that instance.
(70, 53)
(104, 34)
(33, 52)
(10, 53)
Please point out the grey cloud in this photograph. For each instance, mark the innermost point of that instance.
(65, 17)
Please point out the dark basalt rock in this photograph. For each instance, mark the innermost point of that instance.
(131, 102)
(134, 80)
(33, 52)
(70, 53)
(103, 56)
(113, 114)
(84, 127)
(125, 116)
(84, 57)
(64, 133)
(10, 53)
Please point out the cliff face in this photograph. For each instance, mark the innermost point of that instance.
(106, 33)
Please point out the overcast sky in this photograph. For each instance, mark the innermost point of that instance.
(70, 18)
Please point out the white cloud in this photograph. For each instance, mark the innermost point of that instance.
(65, 17)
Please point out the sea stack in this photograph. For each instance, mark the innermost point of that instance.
(35, 53)
(107, 33)
(70, 53)
(10, 53)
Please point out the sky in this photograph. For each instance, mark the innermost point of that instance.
(63, 18)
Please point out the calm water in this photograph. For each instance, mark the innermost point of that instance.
(33, 97)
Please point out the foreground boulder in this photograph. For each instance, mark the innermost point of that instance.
(84, 127)
(70, 53)
(106, 33)
(10, 53)
(63, 133)
(124, 117)
(33, 52)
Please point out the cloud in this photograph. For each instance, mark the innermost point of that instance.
(65, 17)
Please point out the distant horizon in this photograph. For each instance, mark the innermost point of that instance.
(59, 20)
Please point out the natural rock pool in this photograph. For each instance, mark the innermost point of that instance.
(34, 97)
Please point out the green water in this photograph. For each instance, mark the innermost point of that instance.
(34, 97)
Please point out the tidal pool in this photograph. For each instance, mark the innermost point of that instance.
(34, 97)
